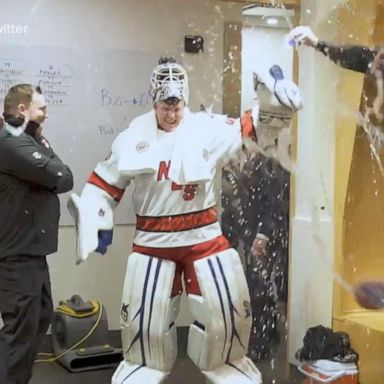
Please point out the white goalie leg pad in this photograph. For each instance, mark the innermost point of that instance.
(148, 315)
(128, 372)
(92, 212)
(241, 371)
(218, 339)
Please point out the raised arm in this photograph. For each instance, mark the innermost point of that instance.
(353, 57)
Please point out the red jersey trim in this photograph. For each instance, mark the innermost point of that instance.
(247, 129)
(114, 192)
(184, 257)
(177, 223)
(194, 252)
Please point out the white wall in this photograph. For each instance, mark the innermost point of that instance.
(312, 241)
(148, 25)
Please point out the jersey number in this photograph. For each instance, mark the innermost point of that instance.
(189, 191)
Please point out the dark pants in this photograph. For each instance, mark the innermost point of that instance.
(26, 309)
(266, 277)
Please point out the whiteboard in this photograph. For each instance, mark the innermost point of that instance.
(91, 96)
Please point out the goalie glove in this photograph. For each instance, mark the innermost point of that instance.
(105, 239)
(94, 223)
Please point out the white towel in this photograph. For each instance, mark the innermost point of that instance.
(190, 155)
(138, 148)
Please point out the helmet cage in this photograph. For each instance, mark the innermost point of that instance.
(169, 80)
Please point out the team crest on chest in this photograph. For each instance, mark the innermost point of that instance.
(205, 154)
(142, 146)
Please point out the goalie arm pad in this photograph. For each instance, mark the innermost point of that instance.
(107, 177)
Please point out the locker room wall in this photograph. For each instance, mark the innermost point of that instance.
(150, 26)
(76, 80)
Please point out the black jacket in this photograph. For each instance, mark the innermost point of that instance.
(255, 200)
(31, 176)
(354, 57)
(359, 59)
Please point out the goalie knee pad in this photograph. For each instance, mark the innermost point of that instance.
(148, 313)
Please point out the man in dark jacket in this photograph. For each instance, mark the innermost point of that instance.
(256, 210)
(255, 201)
(31, 176)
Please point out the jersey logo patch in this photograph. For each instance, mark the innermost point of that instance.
(101, 212)
(141, 147)
(124, 311)
(230, 121)
(36, 155)
(205, 154)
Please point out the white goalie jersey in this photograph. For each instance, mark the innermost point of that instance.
(173, 174)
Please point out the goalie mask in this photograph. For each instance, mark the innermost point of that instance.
(169, 80)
